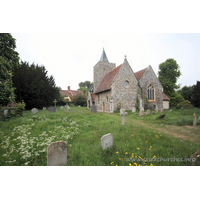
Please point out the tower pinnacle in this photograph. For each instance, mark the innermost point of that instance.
(104, 57)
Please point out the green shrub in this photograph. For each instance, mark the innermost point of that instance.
(185, 104)
(80, 99)
(19, 108)
(137, 104)
(184, 121)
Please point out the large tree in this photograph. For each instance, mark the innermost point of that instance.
(168, 74)
(9, 60)
(196, 95)
(87, 84)
(34, 86)
(187, 92)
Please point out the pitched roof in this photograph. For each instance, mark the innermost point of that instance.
(165, 97)
(104, 57)
(70, 92)
(108, 78)
(93, 97)
(140, 73)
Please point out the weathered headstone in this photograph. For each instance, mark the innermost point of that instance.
(123, 114)
(5, 112)
(141, 113)
(142, 108)
(170, 111)
(93, 109)
(55, 102)
(148, 112)
(156, 110)
(57, 154)
(161, 116)
(34, 110)
(133, 110)
(44, 108)
(107, 141)
(61, 107)
(68, 108)
(194, 120)
(52, 109)
(79, 106)
(181, 108)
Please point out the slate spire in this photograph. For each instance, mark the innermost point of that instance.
(104, 57)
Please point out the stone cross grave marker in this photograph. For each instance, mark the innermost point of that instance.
(55, 102)
(107, 141)
(141, 113)
(123, 114)
(93, 109)
(194, 120)
(57, 154)
(34, 110)
(52, 109)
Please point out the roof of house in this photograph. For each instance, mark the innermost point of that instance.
(165, 97)
(70, 92)
(93, 97)
(140, 73)
(106, 81)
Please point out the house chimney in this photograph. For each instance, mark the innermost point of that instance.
(69, 88)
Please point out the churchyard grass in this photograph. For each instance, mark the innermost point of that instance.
(24, 141)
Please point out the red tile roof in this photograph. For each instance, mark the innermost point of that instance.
(70, 93)
(93, 97)
(165, 97)
(140, 73)
(105, 83)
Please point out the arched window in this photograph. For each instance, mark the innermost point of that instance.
(151, 92)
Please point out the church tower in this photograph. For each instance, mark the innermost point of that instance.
(100, 70)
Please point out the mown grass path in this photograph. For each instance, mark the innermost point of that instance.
(188, 133)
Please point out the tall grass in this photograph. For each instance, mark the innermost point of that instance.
(23, 141)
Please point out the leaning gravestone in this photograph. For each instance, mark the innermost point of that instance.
(194, 120)
(161, 116)
(57, 154)
(141, 113)
(34, 110)
(107, 141)
(52, 109)
(93, 109)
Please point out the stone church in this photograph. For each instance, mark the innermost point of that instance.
(113, 85)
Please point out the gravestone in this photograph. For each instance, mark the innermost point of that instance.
(170, 111)
(194, 120)
(181, 108)
(133, 110)
(52, 109)
(152, 112)
(141, 113)
(156, 110)
(93, 109)
(68, 108)
(79, 106)
(44, 108)
(61, 107)
(34, 110)
(57, 154)
(148, 112)
(55, 102)
(199, 118)
(5, 112)
(161, 116)
(142, 108)
(107, 141)
(123, 114)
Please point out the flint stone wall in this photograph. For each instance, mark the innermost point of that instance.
(150, 77)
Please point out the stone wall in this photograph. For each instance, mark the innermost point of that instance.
(104, 99)
(99, 71)
(149, 77)
(126, 95)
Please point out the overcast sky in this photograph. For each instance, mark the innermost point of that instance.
(70, 58)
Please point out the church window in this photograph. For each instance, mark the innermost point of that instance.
(151, 92)
(126, 83)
